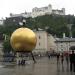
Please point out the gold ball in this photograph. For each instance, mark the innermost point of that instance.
(23, 39)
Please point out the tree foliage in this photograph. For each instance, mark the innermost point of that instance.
(57, 24)
(6, 46)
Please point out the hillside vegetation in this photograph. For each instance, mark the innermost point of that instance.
(54, 24)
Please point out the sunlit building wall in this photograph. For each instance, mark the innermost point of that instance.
(51, 43)
(45, 41)
(41, 45)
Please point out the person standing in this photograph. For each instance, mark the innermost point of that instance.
(58, 56)
(62, 61)
(62, 58)
(67, 58)
(72, 61)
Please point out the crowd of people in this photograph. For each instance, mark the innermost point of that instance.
(69, 57)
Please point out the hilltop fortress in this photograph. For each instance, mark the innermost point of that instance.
(41, 11)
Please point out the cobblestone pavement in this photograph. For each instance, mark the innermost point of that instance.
(44, 66)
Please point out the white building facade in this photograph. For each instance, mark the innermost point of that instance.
(46, 10)
(59, 12)
(2, 21)
(1, 48)
(26, 15)
(40, 12)
(63, 44)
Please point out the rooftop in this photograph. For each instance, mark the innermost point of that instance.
(65, 39)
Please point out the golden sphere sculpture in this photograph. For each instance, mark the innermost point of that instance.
(23, 40)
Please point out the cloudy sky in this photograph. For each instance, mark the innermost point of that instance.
(20, 6)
